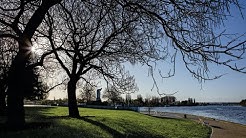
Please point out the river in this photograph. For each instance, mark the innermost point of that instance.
(236, 114)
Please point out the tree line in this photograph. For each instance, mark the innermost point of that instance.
(122, 100)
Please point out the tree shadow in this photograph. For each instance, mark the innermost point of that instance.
(110, 130)
(41, 123)
(35, 122)
(28, 126)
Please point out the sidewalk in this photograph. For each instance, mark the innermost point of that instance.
(220, 129)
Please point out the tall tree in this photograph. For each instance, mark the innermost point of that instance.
(19, 20)
(6, 57)
(89, 41)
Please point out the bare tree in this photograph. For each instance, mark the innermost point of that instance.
(88, 92)
(111, 94)
(6, 57)
(103, 35)
(8, 51)
(89, 41)
(19, 20)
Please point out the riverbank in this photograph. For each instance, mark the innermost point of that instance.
(220, 129)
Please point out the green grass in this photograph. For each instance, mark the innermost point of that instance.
(53, 122)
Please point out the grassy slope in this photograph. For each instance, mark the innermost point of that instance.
(104, 123)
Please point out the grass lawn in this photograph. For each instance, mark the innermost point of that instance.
(53, 122)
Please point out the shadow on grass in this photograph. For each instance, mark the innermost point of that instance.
(42, 123)
(35, 123)
(28, 126)
(39, 125)
(104, 127)
(113, 132)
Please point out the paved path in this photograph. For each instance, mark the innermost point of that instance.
(220, 129)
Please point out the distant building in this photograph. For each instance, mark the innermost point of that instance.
(128, 99)
(98, 95)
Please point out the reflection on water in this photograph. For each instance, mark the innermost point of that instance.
(236, 114)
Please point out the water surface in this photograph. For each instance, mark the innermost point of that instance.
(236, 114)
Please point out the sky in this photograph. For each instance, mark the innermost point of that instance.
(229, 88)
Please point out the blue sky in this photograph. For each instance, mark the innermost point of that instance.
(229, 88)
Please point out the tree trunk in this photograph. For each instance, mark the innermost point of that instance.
(15, 92)
(19, 76)
(2, 101)
(72, 101)
(16, 112)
